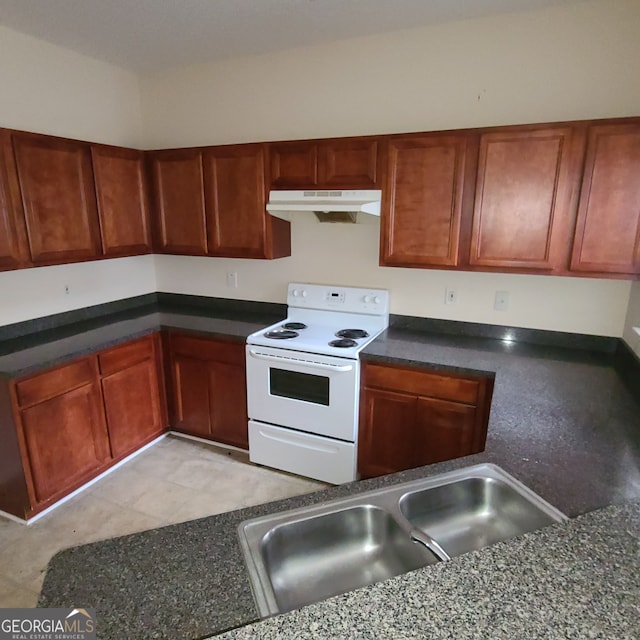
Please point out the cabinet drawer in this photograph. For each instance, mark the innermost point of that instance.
(204, 349)
(125, 355)
(55, 382)
(421, 383)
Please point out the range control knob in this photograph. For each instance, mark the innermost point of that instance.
(304, 293)
(295, 293)
(367, 299)
(376, 300)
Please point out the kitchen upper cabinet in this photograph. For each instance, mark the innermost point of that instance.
(133, 401)
(62, 427)
(525, 189)
(426, 183)
(177, 191)
(58, 198)
(121, 192)
(14, 250)
(209, 389)
(411, 417)
(607, 238)
(346, 163)
(237, 223)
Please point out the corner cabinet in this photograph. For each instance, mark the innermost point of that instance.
(55, 177)
(425, 187)
(607, 238)
(64, 426)
(177, 194)
(121, 191)
(411, 417)
(235, 196)
(209, 388)
(524, 207)
(338, 163)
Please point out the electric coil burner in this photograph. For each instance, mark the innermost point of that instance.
(303, 390)
(281, 334)
(343, 343)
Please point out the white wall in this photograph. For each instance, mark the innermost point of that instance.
(633, 319)
(51, 90)
(570, 62)
(348, 255)
(32, 293)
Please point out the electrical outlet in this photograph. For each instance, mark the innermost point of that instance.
(232, 279)
(501, 302)
(450, 296)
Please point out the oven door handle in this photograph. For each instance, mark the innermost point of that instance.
(306, 363)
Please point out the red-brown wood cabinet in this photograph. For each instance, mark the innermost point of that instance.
(411, 417)
(337, 163)
(607, 238)
(63, 426)
(121, 191)
(58, 197)
(209, 388)
(427, 181)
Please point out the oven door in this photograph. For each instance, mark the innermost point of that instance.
(309, 392)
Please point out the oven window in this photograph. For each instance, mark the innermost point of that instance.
(299, 386)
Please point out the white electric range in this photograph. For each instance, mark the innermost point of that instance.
(303, 380)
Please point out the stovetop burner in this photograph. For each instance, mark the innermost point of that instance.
(343, 343)
(352, 333)
(294, 325)
(281, 334)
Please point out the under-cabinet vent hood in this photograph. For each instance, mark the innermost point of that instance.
(327, 205)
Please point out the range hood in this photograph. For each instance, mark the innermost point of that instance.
(327, 205)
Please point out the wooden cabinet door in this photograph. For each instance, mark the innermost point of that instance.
(58, 197)
(523, 213)
(177, 189)
(423, 198)
(350, 163)
(191, 396)
(132, 397)
(235, 201)
(122, 200)
(63, 428)
(607, 238)
(209, 386)
(444, 430)
(294, 165)
(228, 404)
(386, 435)
(14, 251)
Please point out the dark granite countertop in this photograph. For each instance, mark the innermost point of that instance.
(562, 421)
(35, 352)
(575, 580)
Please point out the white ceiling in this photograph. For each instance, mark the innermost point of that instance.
(149, 35)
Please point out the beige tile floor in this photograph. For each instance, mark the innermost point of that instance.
(173, 481)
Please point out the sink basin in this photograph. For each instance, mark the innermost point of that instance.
(313, 558)
(305, 555)
(473, 513)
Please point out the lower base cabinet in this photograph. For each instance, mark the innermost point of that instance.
(209, 388)
(411, 417)
(62, 427)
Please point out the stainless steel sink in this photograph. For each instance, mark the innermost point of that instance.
(473, 513)
(314, 558)
(305, 555)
